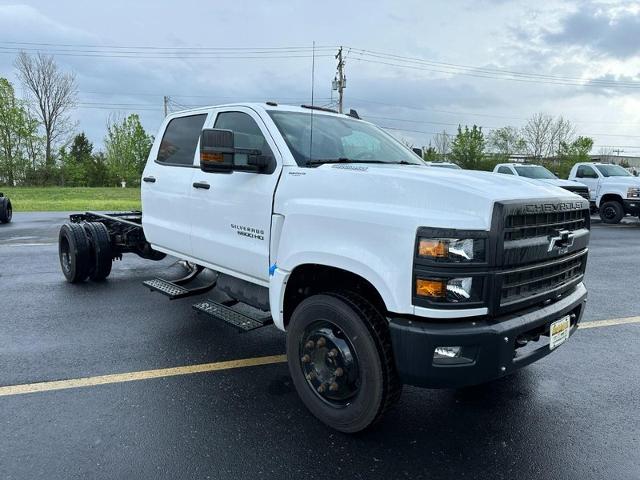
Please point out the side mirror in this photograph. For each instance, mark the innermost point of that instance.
(217, 150)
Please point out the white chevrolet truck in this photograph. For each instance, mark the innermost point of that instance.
(613, 190)
(381, 271)
(538, 173)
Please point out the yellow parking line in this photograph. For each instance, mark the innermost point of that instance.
(201, 368)
(135, 376)
(609, 323)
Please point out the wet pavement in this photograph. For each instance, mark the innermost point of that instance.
(574, 414)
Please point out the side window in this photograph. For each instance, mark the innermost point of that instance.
(586, 172)
(247, 134)
(506, 170)
(180, 139)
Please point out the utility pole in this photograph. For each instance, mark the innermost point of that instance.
(339, 81)
(165, 101)
(617, 151)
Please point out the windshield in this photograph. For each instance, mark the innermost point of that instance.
(338, 139)
(536, 171)
(613, 171)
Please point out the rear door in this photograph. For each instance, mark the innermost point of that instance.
(231, 215)
(587, 174)
(166, 185)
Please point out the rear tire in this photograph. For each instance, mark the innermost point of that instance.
(100, 248)
(611, 212)
(6, 210)
(74, 252)
(346, 392)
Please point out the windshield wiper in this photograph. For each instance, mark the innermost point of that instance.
(350, 160)
(322, 161)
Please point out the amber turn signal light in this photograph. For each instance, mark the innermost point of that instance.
(433, 248)
(431, 288)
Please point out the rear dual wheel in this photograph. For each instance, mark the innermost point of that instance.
(340, 360)
(84, 251)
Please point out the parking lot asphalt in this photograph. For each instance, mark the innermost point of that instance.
(572, 415)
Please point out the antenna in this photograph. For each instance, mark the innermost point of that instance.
(313, 74)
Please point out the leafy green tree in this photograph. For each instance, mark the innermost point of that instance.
(127, 147)
(430, 154)
(97, 171)
(467, 148)
(506, 141)
(570, 153)
(76, 163)
(16, 130)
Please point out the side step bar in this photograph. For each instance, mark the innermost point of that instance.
(243, 321)
(175, 288)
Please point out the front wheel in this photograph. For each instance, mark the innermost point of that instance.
(611, 212)
(341, 362)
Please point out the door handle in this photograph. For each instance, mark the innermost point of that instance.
(149, 179)
(203, 185)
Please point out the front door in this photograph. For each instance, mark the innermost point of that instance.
(587, 175)
(231, 212)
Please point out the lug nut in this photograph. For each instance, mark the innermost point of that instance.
(311, 376)
(339, 372)
(333, 387)
(309, 344)
(305, 358)
(321, 342)
(322, 388)
(333, 353)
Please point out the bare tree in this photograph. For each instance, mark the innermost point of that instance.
(562, 132)
(605, 154)
(442, 144)
(543, 135)
(536, 134)
(52, 94)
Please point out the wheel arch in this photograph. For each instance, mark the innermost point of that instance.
(610, 197)
(307, 279)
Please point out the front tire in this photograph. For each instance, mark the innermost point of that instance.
(341, 362)
(611, 212)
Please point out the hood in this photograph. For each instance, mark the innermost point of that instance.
(623, 181)
(559, 182)
(435, 197)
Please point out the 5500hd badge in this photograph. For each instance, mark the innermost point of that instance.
(248, 231)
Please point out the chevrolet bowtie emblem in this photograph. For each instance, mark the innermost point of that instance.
(563, 239)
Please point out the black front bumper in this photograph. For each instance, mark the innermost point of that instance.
(491, 344)
(632, 207)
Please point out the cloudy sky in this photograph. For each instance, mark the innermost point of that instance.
(417, 67)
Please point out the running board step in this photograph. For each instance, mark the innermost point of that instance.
(227, 313)
(167, 288)
(173, 290)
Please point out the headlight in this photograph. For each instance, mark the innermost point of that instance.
(452, 249)
(633, 192)
(451, 290)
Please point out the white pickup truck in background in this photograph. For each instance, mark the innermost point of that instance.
(381, 270)
(541, 174)
(613, 190)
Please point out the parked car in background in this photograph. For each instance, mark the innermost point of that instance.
(6, 210)
(538, 172)
(450, 165)
(612, 189)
